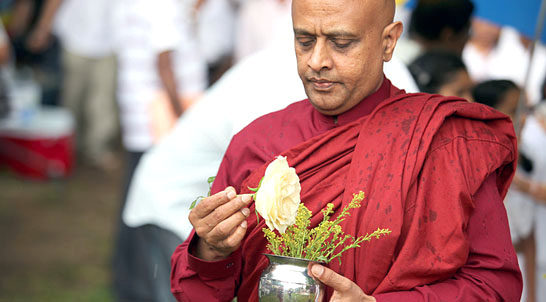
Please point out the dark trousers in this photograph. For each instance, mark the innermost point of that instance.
(141, 264)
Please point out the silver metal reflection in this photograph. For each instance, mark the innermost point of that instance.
(286, 279)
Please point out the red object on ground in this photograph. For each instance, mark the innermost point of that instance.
(40, 147)
(38, 158)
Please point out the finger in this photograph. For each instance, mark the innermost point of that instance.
(234, 240)
(227, 210)
(209, 204)
(225, 228)
(331, 278)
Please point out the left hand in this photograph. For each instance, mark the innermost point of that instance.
(344, 289)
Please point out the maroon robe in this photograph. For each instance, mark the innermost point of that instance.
(427, 164)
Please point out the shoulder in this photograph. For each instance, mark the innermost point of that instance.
(475, 122)
(475, 148)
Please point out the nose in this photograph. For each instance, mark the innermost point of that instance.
(320, 57)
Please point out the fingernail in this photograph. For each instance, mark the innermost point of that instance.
(230, 194)
(243, 225)
(246, 212)
(246, 198)
(317, 270)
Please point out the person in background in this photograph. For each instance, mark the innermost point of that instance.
(437, 25)
(441, 72)
(36, 46)
(159, 71)
(5, 56)
(533, 144)
(504, 96)
(494, 52)
(88, 73)
(481, 49)
(214, 22)
(174, 172)
(261, 23)
(425, 176)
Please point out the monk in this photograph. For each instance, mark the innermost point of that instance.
(434, 170)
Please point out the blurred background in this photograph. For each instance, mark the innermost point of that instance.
(113, 114)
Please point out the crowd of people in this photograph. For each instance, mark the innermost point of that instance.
(179, 79)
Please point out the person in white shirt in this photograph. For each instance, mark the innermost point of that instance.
(174, 172)
(507, 57)
(159, 65)
(88, 71)
(533, 143)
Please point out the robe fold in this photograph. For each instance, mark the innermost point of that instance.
(419, 158)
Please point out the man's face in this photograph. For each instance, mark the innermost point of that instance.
(340, 50)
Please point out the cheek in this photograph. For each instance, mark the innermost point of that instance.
(350, 69)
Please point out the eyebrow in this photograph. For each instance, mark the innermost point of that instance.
(331, 34)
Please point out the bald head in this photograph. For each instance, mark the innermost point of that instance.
(341, 46)
(380, 10)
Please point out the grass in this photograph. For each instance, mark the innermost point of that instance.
(56, 237)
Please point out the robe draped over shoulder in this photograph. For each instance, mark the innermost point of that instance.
(423, 162)
(419, 159)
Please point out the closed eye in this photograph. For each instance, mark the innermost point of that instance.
(305, 41)
(342, 43)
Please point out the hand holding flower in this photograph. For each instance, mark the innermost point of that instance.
(220, 222)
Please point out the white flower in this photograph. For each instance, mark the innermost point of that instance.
(278, 197)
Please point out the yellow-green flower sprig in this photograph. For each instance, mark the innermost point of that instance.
(325, 242)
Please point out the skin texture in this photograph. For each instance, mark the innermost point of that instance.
(219, 221)
(340, 48)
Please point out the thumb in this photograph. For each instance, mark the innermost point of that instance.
(330, 278)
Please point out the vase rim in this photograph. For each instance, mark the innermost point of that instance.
(292, 260)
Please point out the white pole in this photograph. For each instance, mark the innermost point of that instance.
(522, 104)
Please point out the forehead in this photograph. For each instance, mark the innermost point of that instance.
(332, 15)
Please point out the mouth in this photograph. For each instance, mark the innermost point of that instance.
(322, 85)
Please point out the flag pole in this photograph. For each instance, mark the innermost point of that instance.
(522, 103)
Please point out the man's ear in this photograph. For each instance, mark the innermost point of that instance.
(391, 34)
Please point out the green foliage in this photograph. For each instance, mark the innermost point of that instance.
(325, 242)
(210, 180)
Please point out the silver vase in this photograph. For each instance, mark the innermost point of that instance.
(286, 279)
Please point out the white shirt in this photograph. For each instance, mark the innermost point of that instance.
(173, 173)
(215, 29)
(142, 29)
(83, 27)
(509, 60)
(262, 23)
(533, 144)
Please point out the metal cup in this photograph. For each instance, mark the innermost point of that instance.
(287, 279)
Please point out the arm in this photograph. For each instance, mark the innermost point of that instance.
(193, 279)
(166, 73)
(39, 36)
(20, 18)
(535, 189)
(491, 271)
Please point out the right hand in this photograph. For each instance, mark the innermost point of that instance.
(220, 222)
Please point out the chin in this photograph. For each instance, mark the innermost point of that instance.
(324, 107)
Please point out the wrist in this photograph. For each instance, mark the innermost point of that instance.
(206, 252)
